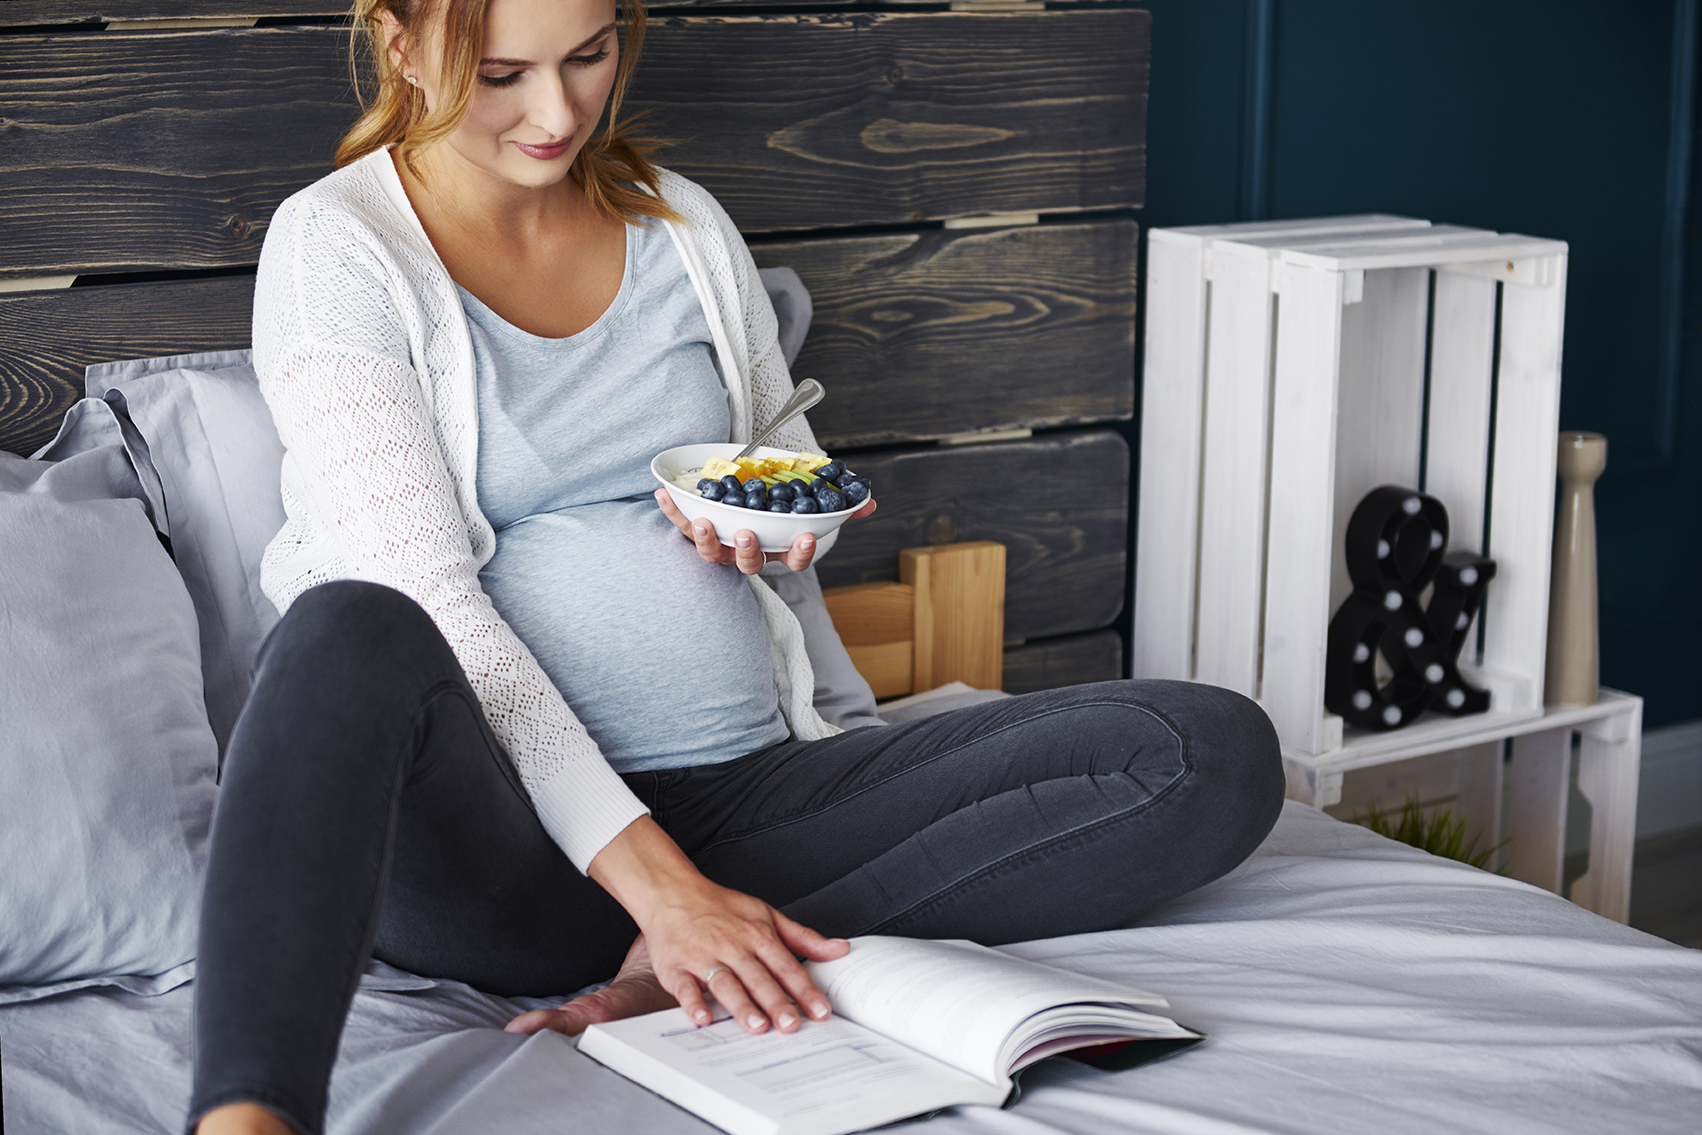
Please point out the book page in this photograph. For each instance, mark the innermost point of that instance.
(829, 1076)
(960, 1002)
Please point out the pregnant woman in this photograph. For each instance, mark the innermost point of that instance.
(521, 719)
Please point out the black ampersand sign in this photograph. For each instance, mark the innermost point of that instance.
(1394, 550)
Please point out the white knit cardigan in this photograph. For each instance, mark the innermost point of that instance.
(364, 357)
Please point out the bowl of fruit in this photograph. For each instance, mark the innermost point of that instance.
(775, 493)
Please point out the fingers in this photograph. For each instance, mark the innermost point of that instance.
(867, 509)
(800, 939)
(709, 546)
(747, 554)
(672, 511)
(690, 996)
(802, 551)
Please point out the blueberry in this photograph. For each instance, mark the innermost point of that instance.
(832, 471)
(757, 500)
(736, 500)
(818, 484)
(711, 489)
(855, 492)
(805, 504)
(731, 484)
(782, 492)
(779, 506)
(830, 500)
(754, 484)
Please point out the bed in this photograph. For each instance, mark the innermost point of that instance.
(1346, 983)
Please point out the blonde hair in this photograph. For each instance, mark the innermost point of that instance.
(396, 112)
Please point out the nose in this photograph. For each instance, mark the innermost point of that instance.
(550, 108)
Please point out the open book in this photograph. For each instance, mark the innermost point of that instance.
(918, 1025)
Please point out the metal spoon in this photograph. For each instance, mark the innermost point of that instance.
(809, 392)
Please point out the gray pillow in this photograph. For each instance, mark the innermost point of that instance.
(201, 431)
(106, 759)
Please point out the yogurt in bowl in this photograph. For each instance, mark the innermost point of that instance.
(679, 470)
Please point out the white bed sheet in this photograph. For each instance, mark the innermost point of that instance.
(1347, 984)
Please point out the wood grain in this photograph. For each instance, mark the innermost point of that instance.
(1046, 664)
(915, 337)
(166, 149)
(925, 335)
(38, 13)
(1059, 503)
(959, 631)
(172, 149)
(803, 122)
(71, 13)
(47, 338)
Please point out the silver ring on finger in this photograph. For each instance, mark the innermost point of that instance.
(710, 976)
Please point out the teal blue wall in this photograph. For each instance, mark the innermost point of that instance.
(1552, 117)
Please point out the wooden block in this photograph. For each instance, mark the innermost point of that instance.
(1059, 503)
(927, 335)
(1068, 660)
(960, 620)
(872, 614)
(184, 142)
(47, 338)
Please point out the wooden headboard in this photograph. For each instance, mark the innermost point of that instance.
(952, 186)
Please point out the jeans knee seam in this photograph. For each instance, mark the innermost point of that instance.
(749, 833)
(1055, 838)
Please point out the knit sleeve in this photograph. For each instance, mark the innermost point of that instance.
(332, 354)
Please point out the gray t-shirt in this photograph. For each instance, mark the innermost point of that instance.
(665, 659)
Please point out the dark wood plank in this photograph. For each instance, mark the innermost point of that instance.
(42, 13)
(823, 120)
(1048, 663)
(166, 149)
(47, 338)
(930, 334)
(1059, 503)
(36, 13)
(915, 337)
(184, 142)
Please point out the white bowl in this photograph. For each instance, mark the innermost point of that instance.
(774, 531)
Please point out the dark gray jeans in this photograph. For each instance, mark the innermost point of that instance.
(367, 810)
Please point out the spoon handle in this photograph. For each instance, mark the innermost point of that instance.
(808, 393)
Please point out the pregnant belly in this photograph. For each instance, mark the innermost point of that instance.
(664, 658)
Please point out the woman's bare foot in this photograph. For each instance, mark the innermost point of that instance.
(242, 1119)
(634, 990)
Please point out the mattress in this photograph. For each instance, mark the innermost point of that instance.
(1346, 983)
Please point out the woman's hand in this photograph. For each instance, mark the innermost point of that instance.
(745, 553)
(703, 938)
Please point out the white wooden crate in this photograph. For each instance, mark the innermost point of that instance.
(1285, 378)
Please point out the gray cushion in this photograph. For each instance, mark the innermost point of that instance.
(106, 758)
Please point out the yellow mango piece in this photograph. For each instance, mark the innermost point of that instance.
(717, 467)
(809, 462)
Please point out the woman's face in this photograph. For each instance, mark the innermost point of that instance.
(547, 70)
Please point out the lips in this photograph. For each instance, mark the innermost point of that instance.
(546, 153)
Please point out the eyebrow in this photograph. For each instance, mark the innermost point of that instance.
(594, 37)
